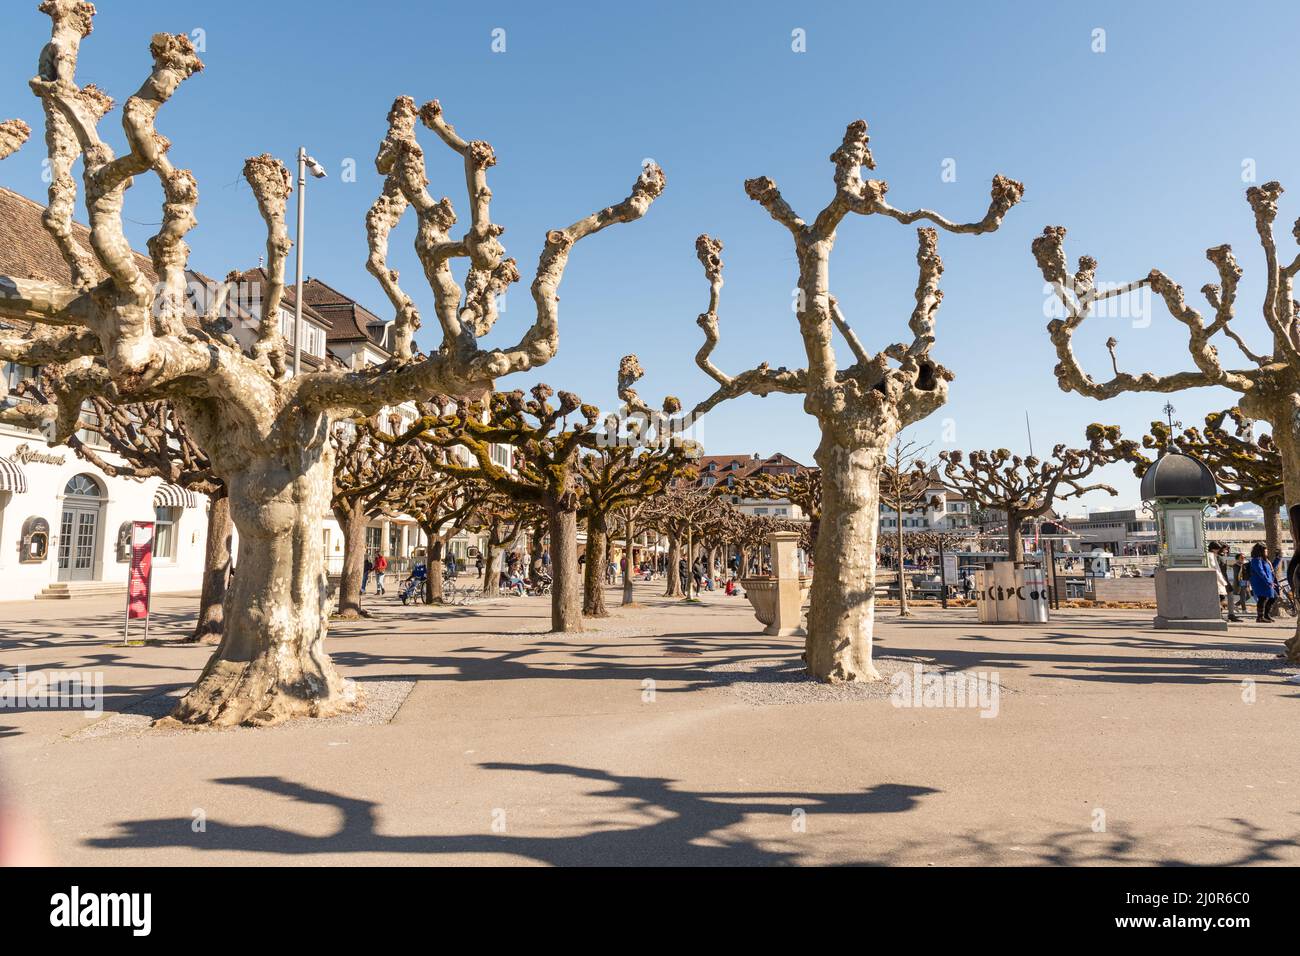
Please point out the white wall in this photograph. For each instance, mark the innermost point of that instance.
(125, 500)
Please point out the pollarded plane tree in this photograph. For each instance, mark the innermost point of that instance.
(859, 407)
(1268, 381)
(148, 440)
(117, 336)
(544, 470)
(1246, 466)
(905, 487)
(1023, 488)
(617, 479)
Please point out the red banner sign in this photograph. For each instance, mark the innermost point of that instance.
(138, 583)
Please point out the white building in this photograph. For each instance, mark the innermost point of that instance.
(50, 497)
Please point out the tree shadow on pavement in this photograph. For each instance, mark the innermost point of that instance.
(682, 828)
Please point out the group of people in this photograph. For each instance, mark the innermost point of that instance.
(1260, 577)
(514, 578)
(378, 566)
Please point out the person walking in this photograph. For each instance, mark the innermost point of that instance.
(366, 570)
(1263, 582)
(381, 567)
(478, 563)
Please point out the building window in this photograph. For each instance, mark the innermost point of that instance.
(313, 336)
(12, 374)
(164, 532)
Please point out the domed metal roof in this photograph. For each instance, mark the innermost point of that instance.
(1178, 476)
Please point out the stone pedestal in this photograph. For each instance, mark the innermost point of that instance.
(778, 600)
(1188, 599)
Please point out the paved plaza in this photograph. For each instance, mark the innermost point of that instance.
(671, 734)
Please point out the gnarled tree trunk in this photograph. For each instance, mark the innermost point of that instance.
(1015, 541)
(628, 570)
(216, 572)
(841, 617)
(674, 585)
(352, 522)
(566, 587)
(433, 583)
(491, 577)
(593, 583)
(271, 664)
(1284, 417)
(1273, 528)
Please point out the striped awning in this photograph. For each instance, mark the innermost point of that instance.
(12, 477)
(171, 496)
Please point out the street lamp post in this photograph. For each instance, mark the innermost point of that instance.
(304, 162)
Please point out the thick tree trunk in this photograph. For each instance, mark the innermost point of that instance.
(1015, 543)
(1273, 528)
(566, 583)
(352, 522)
(1286, 433)
(271, 664)
(628, 571)
(433, 584)
(216, 572)
(674, 585)
(593, 578)
(491, 576)
(841, 618)
(535, 565)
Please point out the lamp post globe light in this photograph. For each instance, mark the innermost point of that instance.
(305, 163)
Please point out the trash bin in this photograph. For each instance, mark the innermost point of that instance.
(1007, 593)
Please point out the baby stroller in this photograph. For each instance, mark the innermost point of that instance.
(414, 583)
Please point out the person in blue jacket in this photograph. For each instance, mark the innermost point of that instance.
(1264, 583)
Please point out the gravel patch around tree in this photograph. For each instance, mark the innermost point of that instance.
(380, 702)
(763, 682)
(1254, 662)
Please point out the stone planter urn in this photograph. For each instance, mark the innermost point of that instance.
(778, 600)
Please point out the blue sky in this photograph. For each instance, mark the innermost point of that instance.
(1139, 150)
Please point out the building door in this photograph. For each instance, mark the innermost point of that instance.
(79, 529)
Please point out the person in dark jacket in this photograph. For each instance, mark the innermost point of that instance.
(1263, 582)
